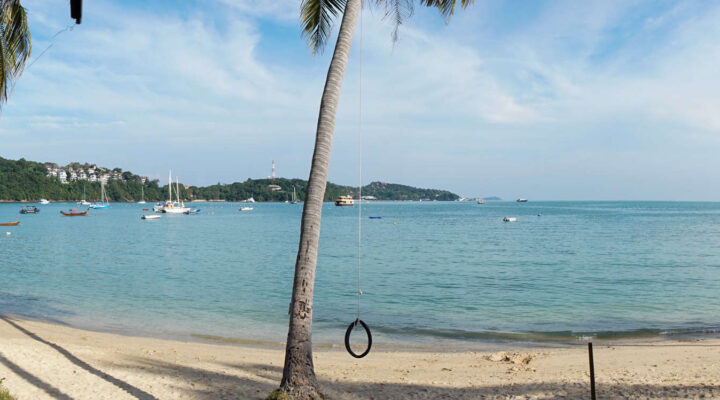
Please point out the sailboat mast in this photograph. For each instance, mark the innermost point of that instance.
(177, 189)
(170, 186)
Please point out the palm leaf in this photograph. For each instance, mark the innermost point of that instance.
(15, 45)
(317, 21)
(446, 7)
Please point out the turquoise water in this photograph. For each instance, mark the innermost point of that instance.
(433, 272)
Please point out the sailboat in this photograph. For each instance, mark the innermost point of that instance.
(83, 202)
(294, 200)
(104, 201)
(170, 206)
(142, 200)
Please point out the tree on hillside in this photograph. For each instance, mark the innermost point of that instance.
(299, 381)
(15, 45)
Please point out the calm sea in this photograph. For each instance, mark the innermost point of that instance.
(432, 272)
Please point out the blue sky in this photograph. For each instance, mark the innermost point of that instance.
(544, 100)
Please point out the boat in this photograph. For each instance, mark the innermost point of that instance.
(245, 209)
(16, 223)
(104, 202)
(521, 200)
(142, 199)
(83, 202)
(150, 216)
(510, 219)
(29, 210)
(44, 202)
(74, 213)
(294, 199)
(192, 211)
(344, 201)
(375, 217)
(170, 206)
(250, 200)
(481, 200)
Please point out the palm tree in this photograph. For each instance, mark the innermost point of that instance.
(299, 381)
(15, 45)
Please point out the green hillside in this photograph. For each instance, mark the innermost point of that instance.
(23, 180)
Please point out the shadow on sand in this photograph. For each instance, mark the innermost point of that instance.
(136, 392)
(255, 381)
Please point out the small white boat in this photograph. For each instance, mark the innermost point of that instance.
(481, 201)
(245, 209)
(83, 202)
(250, 200)
(521, 200)
(150, 216)
(142, 200)
(510, 219)
(44, 201)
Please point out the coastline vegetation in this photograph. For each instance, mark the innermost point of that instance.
(22, 180)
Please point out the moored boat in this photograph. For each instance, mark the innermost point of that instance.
(83, 202)
(74, 213)
(170, 206)
(481, 200)
(510, 219)
(245, 209)
(29, 210)
(16, 223)
(44, 201)
(344, 201)
(150, 216)
(104, 202)
(521, 200)
(192, 211)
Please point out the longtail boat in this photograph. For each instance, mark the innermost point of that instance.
(16, 223)
(74, 213)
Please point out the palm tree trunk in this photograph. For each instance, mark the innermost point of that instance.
(299, 381)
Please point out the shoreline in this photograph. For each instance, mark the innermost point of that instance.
(41, 360)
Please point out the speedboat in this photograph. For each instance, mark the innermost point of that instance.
(150, 216)
(44, 201)
(510, 219)
(245, 209)
(29, 210)
(521, 200)
(250, 200)
(192, 211)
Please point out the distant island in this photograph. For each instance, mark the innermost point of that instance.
(22, 180)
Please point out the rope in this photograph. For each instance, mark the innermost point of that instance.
(67, 28)
(359, 263)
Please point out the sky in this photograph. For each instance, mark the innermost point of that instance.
(546, 100)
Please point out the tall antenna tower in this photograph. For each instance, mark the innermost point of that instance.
(273, 170)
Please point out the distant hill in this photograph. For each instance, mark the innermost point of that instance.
(492, 198)
(22, 180)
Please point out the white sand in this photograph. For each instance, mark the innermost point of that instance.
(45, 361)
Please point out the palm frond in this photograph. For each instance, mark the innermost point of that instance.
(446, 7)
(398, 11)
(15, 45)
(317, 21)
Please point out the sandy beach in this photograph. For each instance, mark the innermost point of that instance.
(45, 361)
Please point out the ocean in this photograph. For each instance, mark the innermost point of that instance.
(432, 273)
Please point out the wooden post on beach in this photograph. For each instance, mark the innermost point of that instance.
(592, 372)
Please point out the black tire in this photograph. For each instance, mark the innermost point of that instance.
(347, 338)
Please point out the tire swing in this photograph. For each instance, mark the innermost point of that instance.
(349, 330)
(358, 321)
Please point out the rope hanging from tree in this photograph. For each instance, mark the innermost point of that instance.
(358, 321)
